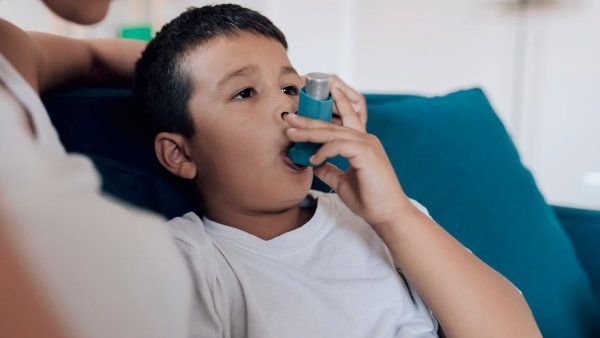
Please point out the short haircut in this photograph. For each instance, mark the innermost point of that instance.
(161, 84)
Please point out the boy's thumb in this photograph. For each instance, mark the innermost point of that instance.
(329, 173)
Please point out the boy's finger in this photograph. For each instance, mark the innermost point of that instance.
(349, 149)
(344, 107)
(357, 99)
(298, 121)
(322, 135)
(352, 94)
(330, 174)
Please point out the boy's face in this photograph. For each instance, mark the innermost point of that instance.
(243, 86)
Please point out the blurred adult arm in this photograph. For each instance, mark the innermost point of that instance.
(47, 61)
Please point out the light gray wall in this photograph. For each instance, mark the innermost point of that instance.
(538, 63)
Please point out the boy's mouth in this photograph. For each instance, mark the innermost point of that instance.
(288, 161)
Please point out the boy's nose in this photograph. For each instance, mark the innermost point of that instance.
(283, 104)
(285, 113)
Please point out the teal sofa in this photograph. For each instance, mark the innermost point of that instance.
(451, 153)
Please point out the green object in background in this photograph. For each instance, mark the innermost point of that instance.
(139, 32)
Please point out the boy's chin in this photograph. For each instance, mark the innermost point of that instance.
(296, 185)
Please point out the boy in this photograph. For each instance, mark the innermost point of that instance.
(270, 257)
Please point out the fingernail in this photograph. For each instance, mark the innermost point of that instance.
(312, 159)
(292, 129)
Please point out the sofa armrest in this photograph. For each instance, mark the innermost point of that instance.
(583, 227)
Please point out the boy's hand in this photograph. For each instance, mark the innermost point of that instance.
(370, 187)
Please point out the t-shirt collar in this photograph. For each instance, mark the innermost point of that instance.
(302, 235)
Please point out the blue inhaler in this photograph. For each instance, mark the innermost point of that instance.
(315, 102)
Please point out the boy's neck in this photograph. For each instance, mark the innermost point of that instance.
(265, 226)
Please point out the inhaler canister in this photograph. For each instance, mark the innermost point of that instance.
(315, 102)
(317, 85)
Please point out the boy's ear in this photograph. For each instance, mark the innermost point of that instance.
(173, 153)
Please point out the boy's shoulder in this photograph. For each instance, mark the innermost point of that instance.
(188, 231)
(338, 203)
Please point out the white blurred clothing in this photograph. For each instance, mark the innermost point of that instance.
(107, 269)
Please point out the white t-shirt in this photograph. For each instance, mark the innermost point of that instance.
(331, 277)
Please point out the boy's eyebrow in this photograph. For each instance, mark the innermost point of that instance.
(244, 71)
(288, 70)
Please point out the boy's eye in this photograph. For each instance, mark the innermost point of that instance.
(244, 93)
(290, 90)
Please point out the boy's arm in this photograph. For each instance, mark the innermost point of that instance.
(47, 61)
(468, 297)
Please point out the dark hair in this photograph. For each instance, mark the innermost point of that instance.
(161, 84)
